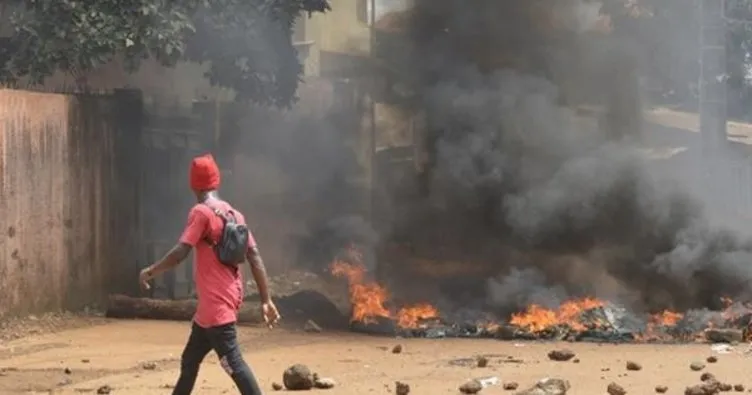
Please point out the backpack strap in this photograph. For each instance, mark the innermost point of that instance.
(225, 217)
(219, 214)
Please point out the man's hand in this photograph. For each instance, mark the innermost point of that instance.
(173, 258)
(144, 277)
(271, 314)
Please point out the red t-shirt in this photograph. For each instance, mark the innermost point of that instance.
(219, 287)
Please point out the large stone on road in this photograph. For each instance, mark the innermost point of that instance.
(548, 386)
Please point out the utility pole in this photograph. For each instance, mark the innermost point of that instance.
(373, 176)
(713, 76)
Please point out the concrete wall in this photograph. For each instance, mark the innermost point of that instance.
(343, 29)
(67, 202)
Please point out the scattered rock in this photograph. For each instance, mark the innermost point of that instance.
(633, 366)
(65, 381)
(85, 360)
(712, 359)
(615, 389)
(661, 389)
(298, 378)
(707, 376)
(511, 386)
(561, 355)
(489, 381)
(576, 360)
(104, 390)
(697, 366)
(67, 371)
(149, 366)
(277, 386)
(695, 390)
(710, 387)
(311, 327)
(548, 386)
(482, 362)
(397, 349)
(401, 388)
(324, 383)
(725, 387)
(739, 388)
(471, 387)
(717, 335)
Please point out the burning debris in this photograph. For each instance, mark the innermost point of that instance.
(585, 319)
(369, 300)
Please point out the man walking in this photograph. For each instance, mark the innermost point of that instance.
(220, 240)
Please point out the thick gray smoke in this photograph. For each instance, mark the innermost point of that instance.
(291, 173)
(578, 209)
(523, 287)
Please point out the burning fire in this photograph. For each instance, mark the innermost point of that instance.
(537, 319)
(369, 299)
(658, 321)
(666, 318)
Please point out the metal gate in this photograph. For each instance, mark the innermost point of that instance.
(169, 143)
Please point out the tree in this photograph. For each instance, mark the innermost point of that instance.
(246, 43)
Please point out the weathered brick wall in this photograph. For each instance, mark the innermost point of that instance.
(65, 228)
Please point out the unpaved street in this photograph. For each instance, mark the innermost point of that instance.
(114, 354)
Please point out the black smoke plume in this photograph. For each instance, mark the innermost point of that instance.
(558, 205)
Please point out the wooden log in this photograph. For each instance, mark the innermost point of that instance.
(121, 306)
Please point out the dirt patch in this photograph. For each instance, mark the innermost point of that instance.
(117, 353)
(35, 325)
(44, 380)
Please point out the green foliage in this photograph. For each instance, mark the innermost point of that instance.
(246, 43)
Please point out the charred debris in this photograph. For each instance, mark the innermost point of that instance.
(607, 323)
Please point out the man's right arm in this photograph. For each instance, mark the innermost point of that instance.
(192, 234)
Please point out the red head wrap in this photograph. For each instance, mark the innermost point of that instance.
(204, 174)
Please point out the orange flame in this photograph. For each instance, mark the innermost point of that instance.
(537, 318)
(369, 299)
(410, 317)
(666, 318)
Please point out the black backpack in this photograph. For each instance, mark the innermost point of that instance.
(233, 240)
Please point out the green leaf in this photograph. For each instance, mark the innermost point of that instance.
(247, 43)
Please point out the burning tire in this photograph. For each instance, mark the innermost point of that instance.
(376, 326)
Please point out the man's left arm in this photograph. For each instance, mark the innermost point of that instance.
(258, 270)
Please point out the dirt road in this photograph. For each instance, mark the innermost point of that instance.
(114, 354)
